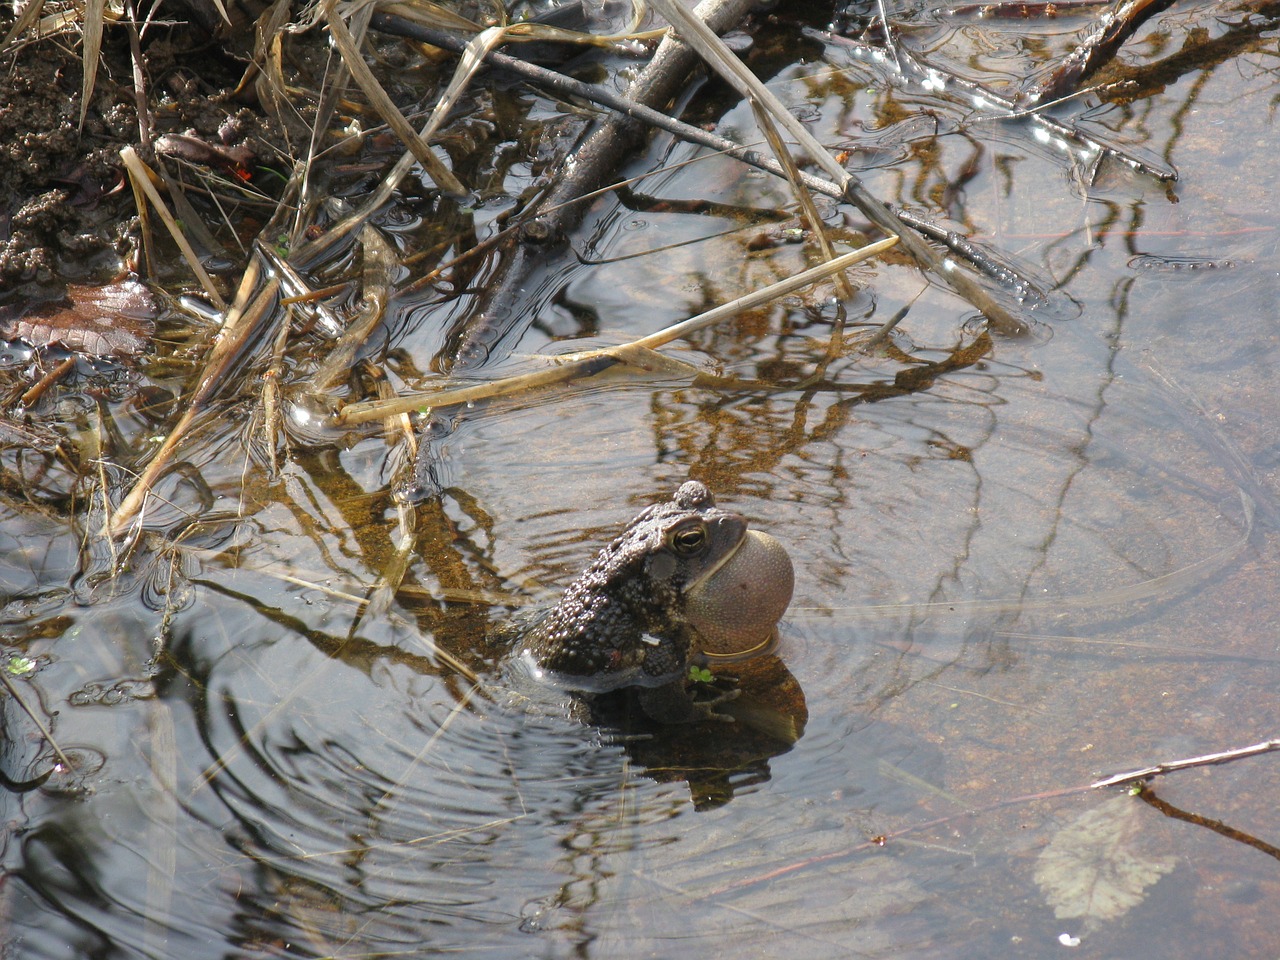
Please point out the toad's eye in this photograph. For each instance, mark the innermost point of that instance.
(689, 541)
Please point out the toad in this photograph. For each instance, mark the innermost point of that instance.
(685, 582)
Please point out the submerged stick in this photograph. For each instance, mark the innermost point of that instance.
(44, 730)
(1095, 50)
(585, 168)
(590, 362)
(236, 333)
(918, 69)
(603, 96)
(713, 49)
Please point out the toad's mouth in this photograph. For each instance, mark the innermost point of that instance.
(736, 605)
(767, 645)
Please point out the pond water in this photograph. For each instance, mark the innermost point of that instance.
(1020, 564)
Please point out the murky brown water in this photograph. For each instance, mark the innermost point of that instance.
(1057, 559)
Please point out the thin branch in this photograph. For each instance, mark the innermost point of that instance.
(140, 175)
(602, 96)
(696, 33)
(591, 362)
(1146, 795)
(1267, 746)
(44, 730)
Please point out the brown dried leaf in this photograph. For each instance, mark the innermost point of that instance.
(118, 319)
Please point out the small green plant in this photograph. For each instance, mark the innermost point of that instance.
(268, 171)
(700, 674)
(19, 665)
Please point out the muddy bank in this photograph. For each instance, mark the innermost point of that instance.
(68, 212)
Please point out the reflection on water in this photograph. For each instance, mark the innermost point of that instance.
(298, 788)
(1018, 564)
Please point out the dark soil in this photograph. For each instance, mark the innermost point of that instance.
(68, 212)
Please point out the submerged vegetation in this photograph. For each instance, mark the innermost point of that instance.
(273, 214)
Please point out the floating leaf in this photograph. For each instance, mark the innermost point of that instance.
(118, 318)
(1092, 870)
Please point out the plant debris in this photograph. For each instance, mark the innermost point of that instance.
(1093, 868)
(113, 320)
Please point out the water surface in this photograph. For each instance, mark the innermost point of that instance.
(1033, 562)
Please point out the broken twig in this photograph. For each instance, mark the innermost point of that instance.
(713, 49)
(1096, 49)
(1169, 766)
(40, 725)
(591, 362)
(604, 96)
(1147, 796)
